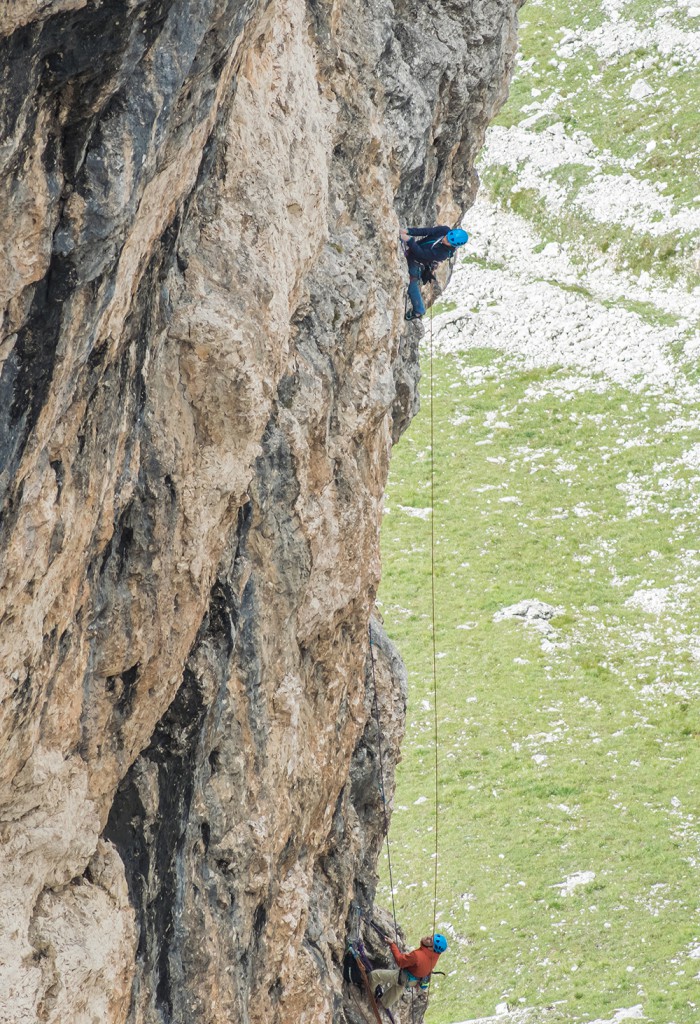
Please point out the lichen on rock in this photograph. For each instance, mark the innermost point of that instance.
(203, 371)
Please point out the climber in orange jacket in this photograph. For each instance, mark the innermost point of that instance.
(414, 968)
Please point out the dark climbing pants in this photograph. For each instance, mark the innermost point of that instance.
(415, 270)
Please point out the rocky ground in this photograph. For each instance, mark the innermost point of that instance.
(585, 245)
(585, 237)
(522, 293)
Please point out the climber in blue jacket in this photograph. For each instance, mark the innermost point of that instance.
(424, 248)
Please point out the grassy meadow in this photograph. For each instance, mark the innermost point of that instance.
(569, 748)
(569, 760)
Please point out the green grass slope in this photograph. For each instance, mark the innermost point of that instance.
(569, 748)
(567, 755)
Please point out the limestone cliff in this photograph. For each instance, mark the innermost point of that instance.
(203, 369)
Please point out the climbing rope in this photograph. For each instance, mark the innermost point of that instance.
(434, 661)
(433, 641)
(381, 779)
(432, 606)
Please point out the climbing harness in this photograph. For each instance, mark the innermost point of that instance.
(357, 952)
(428, 271)
(426, 277)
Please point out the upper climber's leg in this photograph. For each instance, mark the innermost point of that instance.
(415, 270)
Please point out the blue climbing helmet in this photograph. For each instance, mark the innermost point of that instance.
(457, 237)
(439, 941)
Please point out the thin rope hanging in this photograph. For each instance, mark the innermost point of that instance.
(381, 778)
(432, 603)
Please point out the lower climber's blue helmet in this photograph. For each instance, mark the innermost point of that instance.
(439, 941)
(457, 237)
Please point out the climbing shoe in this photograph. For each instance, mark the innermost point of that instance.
(410, 315)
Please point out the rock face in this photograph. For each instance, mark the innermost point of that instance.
(203, 371)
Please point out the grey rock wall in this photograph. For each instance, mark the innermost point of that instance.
(202, 370)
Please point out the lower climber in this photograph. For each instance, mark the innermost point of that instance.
(424, 248)
(414, 968)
